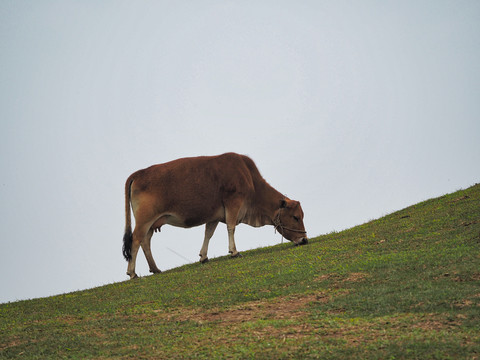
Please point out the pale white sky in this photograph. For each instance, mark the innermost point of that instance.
(355, 108)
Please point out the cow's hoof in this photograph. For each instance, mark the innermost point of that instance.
(203, 261)
(134, 276)
(155, 271)
(236, 255)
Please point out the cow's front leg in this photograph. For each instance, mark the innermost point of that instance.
(232, 249)
(231, 214)
(209, 230)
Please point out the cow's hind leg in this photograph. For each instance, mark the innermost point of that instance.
(209, 230)
(148, 252)
(138, 236)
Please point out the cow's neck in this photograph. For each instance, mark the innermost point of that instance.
(267, 202)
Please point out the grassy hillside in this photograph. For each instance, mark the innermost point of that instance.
(404, 286)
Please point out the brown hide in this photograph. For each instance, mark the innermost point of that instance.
(189, 192)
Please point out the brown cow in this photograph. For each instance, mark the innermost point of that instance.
(204, 190)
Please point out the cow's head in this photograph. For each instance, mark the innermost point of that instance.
(288, 221)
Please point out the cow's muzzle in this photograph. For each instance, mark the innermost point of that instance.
(302, 241)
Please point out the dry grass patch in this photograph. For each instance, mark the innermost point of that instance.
(288, 307)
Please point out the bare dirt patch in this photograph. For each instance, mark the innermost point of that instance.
(13, 342)
(352, 277)
(461, 198)
(280, 308)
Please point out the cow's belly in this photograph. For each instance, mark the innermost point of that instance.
(189, 220)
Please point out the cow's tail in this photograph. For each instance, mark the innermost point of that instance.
(128, 236)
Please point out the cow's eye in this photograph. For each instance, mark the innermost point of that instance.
(296, 218)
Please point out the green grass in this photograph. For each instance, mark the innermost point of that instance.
(404, 286)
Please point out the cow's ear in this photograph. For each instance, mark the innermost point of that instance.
(283, 204)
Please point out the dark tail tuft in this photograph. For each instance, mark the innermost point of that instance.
(128, 237)
(127, 245)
